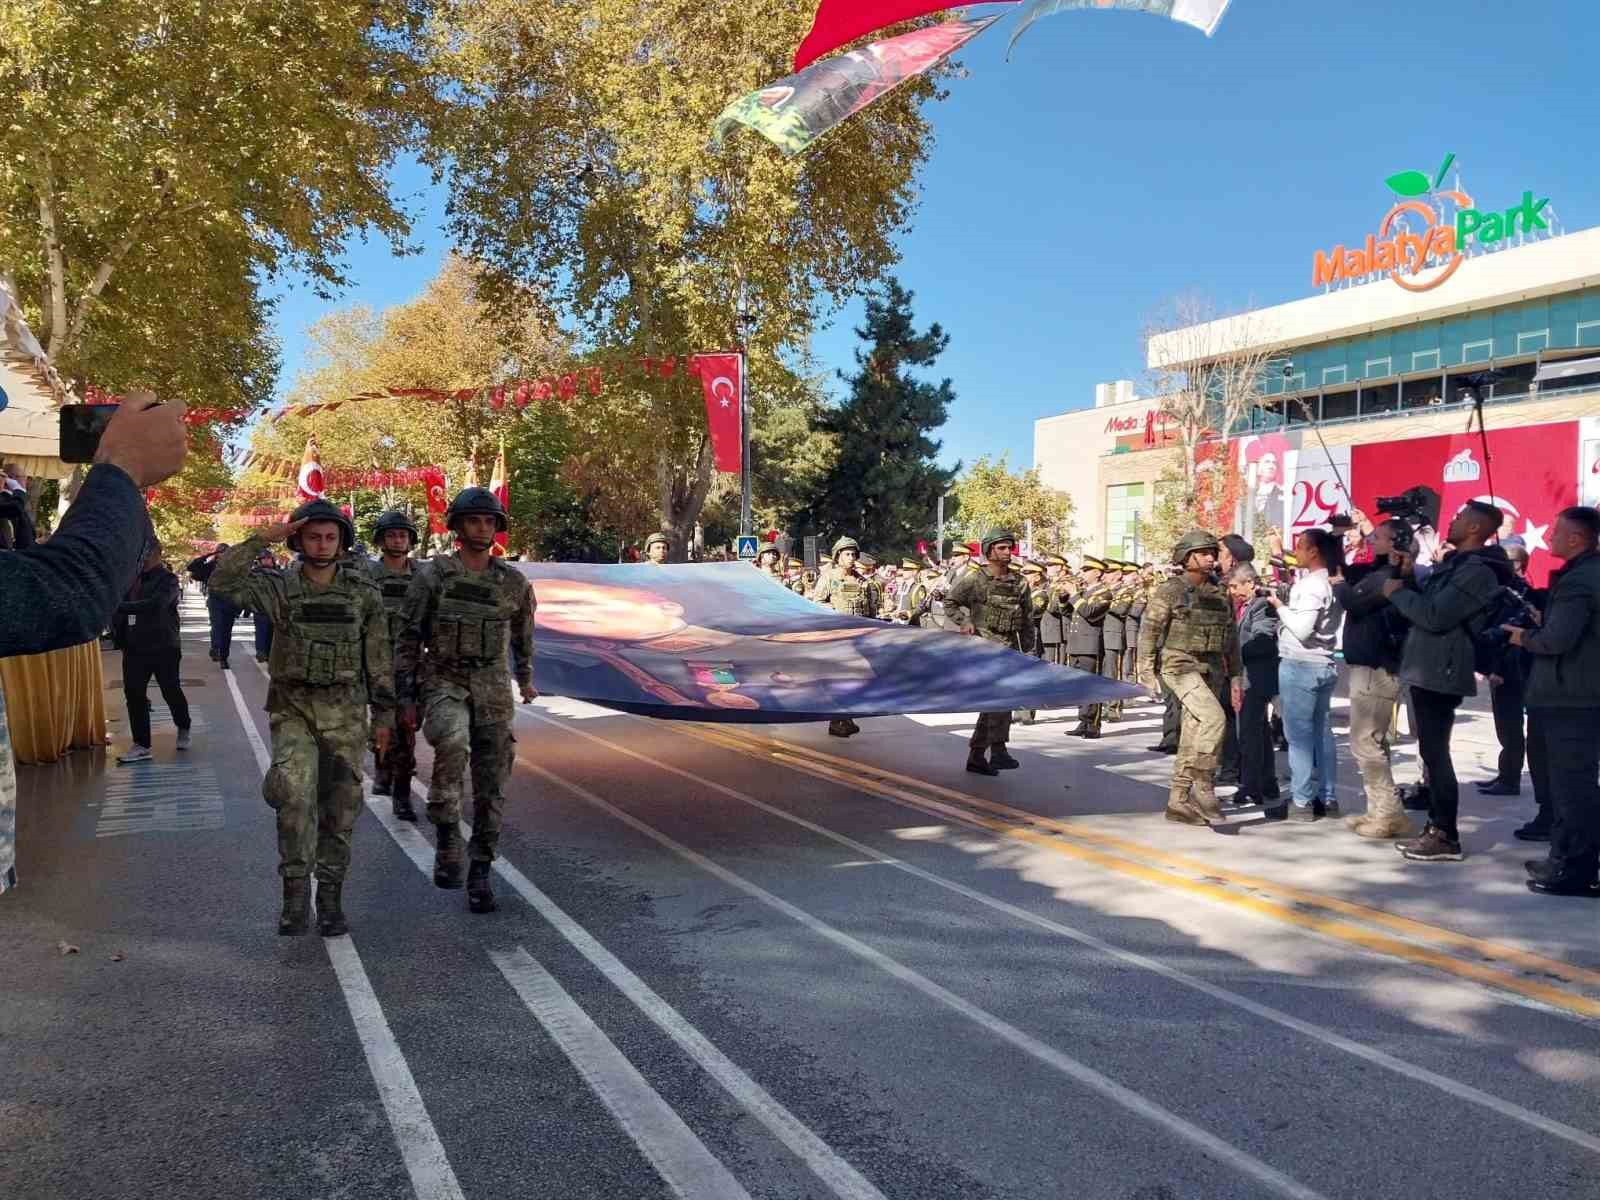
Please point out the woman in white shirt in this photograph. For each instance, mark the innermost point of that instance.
(1308, 634)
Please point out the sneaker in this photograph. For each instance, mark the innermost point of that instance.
(1330, 809)
(1302, 812)
(1432, 846)
(1533, 831)
(134, 754)
(183, 739)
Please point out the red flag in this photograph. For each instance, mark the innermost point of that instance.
(433, 480)
(839, 22)
(721, 376)
(311, 485)
(502, 493)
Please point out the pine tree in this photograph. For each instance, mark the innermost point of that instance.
(884, 486)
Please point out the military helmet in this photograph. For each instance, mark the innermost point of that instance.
(769, 548)
(393, 519)
(475, 501)
(843, 544)
(1195, 539)
(321, 510)
(996, 535)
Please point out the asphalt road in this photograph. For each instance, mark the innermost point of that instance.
(756, 962)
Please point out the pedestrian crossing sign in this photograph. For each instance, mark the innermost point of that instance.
(748, 545)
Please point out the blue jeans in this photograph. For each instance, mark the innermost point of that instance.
(1305, 690)
(223, 614)
(263, 635)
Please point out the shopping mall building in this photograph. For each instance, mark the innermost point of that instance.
(1386, 361)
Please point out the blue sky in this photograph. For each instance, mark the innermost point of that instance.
(1119, 160)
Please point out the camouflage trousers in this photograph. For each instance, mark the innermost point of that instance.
(458, 733)
(994, 729)
(314, 784)
(1194, 770)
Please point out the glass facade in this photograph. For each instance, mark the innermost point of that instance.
(1127, 515)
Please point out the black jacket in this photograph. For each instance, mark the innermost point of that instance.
(1445, 613)
(1258, 632)
(1374, 630)
(147, 620)
(1565, 650)
(15, 513)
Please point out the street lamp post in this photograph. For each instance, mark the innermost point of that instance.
(938, 550)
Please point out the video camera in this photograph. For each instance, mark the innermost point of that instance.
(1411, 509)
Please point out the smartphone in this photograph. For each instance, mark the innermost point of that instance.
(81, 427)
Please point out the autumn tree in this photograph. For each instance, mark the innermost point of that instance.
(885, 482)
(577, 150)
(991, 495)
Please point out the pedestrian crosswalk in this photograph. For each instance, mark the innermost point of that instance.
(160, 798)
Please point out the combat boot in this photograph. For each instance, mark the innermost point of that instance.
(403, 811)
(480, 896)
(1000, 759)
(1386, 819)
(447, 856)
(380, 782)
(295, 918)
(1180, 807)
(330, 910)
(977, 764)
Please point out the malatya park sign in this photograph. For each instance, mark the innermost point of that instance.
(1404, 253)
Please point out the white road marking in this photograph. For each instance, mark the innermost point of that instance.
(842, 1179)
(431, 1175)
(1209, 1143)
(679, 1157)
(1452, 1087)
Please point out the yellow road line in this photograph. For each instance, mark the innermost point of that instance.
(1057, 841)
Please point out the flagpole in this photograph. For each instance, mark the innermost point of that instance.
(746, 521)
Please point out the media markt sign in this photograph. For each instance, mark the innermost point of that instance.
(1429, 232)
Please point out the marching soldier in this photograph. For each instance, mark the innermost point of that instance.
(460, 615)
(395, 537)
(656, 547)
(845, 589)
(993, 603)
(1089, 610)
(330, 663)
(767, 562)
(1188, 640)
(919, 598)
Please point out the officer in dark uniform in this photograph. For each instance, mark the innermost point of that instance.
(1113, 632)
(1142, 587)
(1084, 646)
(1056, 595)
(1037, 600)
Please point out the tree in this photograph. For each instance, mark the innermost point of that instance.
(1208, 372)
(884, 485)
(991, 495)
(576, 144)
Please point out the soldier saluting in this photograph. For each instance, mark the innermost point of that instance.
(1188, 640)
(395, 537)
(995, 603)
(330, 663)
(460, 615)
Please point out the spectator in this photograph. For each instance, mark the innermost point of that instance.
(1373, 635)
(16, 527)
(1307, 637)
(145, 629)
(1505, 692)
(1563, 692)
(1258, 646)
(222, 611)
(1446, 614)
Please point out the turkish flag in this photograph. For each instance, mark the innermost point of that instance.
(839, 22)
(438, 502)
(721, 376)
(311, 485)
(502, 493)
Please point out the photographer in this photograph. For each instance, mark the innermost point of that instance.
(1563, 695)
(1374, 633)
(1307, 638)
(1258, 647)
(1446, 615)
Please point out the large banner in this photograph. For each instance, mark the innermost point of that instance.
(721, 642)
(1298, 485)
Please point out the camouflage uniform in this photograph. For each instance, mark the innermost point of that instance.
(853, 594)
(8, 804)
(330, 661)
(391, 775)
(1000, 611)
(451, 660)
(1188, 641)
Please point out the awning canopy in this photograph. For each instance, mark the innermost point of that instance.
(31, 394)
(1567, 369)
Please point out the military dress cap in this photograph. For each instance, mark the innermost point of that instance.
(993, 536)
(1032, 568)
(1091, 563)
(1053, 560)
(910, 564)
(393, 519)
(843, 544)
(1195, 539)
(654, 539)
(960, 550)
(475, 501)
(321, 510)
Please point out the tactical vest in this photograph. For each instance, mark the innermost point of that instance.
(1002, 606)
(393, 588)
(1200, 622)
(851, 596)
(320, 644)
(471, 626)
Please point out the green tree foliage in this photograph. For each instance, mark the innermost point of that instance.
(990, 495)
(885, 482)
(577, 146)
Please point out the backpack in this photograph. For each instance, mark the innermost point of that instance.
(1489, 641)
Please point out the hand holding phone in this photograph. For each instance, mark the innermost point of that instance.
(145, 438)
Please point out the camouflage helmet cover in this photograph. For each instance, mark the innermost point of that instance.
(393, 519)
(475, 501)
(843, 544)
(996, 535)
(321, 510)
(656, 539)
(1195, 539)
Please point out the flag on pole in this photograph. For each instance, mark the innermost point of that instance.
(472, 473)
(311, 485)
(502, 493)
(433, 480)
(721, 376)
